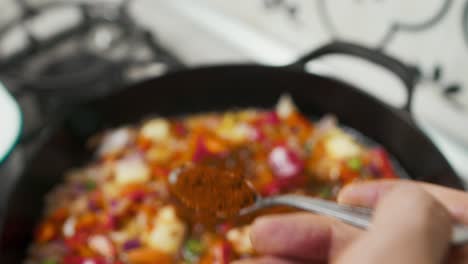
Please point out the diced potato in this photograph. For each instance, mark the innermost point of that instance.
(131, 171)
(236, 133)
(341, 146)
(110, 189)
(158, 154)
(156, 129)
(329, 151)
(285, 106)
(168, 232)
(167, 213)
(133, 229)
(240, 239)
(248, 114)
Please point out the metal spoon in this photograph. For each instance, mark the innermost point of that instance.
(357, 216)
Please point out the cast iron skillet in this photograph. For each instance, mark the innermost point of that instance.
(221, 88)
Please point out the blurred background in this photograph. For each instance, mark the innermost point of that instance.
(55, 54)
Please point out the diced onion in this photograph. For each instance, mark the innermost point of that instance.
(342, 146)
(115, 141)
(156, 129)
(132, 170)
(285, 106)
(68, 228)
(101, 245)
(168, 232)
(240, 239)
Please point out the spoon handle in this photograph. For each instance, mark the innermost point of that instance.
(357, 216)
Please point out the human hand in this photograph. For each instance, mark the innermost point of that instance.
(411, 225)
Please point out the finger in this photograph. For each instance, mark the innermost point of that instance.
(409, 226)
(270, 260)
(368, 193)
(301, 235)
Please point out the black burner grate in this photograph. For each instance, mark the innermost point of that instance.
(103, 52)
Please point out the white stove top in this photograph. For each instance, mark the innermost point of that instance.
(224, 31)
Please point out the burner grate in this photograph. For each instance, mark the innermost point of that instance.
(96, 49)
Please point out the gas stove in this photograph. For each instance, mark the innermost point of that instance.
(120, 42)
(54, 54)
(432, 35)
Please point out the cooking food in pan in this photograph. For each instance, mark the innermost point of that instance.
(123, 208)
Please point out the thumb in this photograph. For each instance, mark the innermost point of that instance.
(409, 226)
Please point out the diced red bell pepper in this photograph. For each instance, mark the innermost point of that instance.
(271, 188)
(222, 253)
(347, 175)
(281, 184)
(60, 214)
(160, 171)
(267, 118)
(257, 135)
(382, 161)
(137, 195)
(76, 241)
(110, 222)
(179, 129)
(201, 151)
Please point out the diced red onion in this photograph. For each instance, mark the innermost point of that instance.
(131, 244)
(267, 118)
(284, 162)
(93, 205)
(374, 169)
(79, 187)
(114, 203)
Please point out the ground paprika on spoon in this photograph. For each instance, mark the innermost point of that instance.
(210, 190)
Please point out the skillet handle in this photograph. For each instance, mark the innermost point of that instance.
(407, 73)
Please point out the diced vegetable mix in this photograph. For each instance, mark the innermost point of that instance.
(119, 208)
